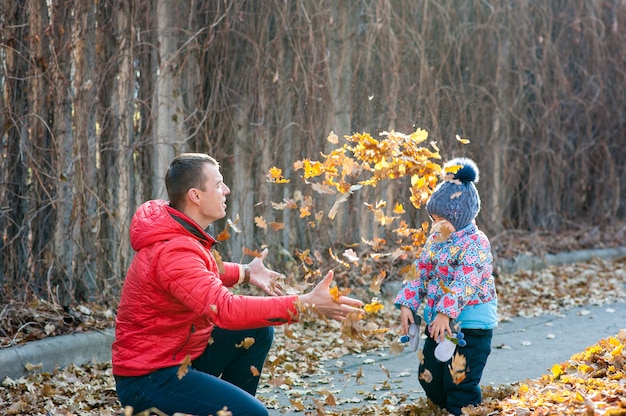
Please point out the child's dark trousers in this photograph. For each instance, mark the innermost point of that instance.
(440, 385)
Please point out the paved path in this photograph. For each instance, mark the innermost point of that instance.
(522, 348)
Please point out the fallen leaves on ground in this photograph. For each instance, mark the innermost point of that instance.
(303, 355)
(592, 382)
(21, 322)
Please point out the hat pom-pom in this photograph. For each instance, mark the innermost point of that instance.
(468, 171)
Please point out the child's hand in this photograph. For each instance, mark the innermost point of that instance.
(440, 326)
(406, 318)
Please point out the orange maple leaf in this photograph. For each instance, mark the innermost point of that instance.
(277, 225)
(184, 367)
(458, 367)
(260, 222)
(252, 253)
(246, 343)
(218, 260)
(224, 235)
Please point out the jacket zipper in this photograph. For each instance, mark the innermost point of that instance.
(191, 331)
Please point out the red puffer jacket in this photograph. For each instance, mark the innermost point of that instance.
(174, 294)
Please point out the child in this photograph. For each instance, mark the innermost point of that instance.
(455, 279)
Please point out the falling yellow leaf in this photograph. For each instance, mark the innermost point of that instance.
(336, 293)
(255, 372)
(333, 211)
(224, 235)
(444, 229)
(443, 287)
(359, 374)
(246, 343)
(457, 368)
(350, 255)
(312, 168)
(322, 189)
(396, 347)
(260, 222)
(223, 412)
(305, 212)
(184, 367)
(373, 307)
(377, 282)
(288, 332)
(277, 225)
(398, 209)
(426, 376)
(461, 140)
(279, 206)
(275, 175)
(332, 138)
(233, 224)
(218, 260)
(453, 169)
(252, 253)
(337, 259)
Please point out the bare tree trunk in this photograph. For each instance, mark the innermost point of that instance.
(145, 134)
(13, 202)
(123, 103)
(170, 135)
(66, 225)
(500, 137)
(43, 221)
(118, 168)
(84, 41)
(341, 40)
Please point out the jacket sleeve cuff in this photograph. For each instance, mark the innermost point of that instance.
(231, 274)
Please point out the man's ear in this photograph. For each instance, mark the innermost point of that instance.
(193, 196)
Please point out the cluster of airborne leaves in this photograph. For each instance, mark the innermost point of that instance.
(591, 382)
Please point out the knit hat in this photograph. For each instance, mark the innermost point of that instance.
(456, 198)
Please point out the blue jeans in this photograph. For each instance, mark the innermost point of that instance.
(220, 377)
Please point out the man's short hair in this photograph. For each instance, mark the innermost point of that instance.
(185, 172)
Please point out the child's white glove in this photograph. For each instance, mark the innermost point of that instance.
(445, 349)
(413, 337)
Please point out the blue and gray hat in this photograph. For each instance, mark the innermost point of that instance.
(456, 198)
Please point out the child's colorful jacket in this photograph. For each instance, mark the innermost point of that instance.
(455, 278)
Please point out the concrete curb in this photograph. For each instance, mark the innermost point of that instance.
(82, 348)
(527, 262)
(56, 352)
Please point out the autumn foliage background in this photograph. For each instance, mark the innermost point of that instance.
(97, 97)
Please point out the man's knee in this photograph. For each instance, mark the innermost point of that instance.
(265, 336)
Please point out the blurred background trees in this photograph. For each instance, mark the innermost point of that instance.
(98, 97)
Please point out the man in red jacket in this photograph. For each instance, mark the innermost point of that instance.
(176, 306)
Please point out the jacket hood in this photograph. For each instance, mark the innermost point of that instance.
(156, 221)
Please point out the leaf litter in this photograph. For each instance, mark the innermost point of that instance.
(592, 382)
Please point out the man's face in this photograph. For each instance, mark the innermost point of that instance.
(212, 201)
